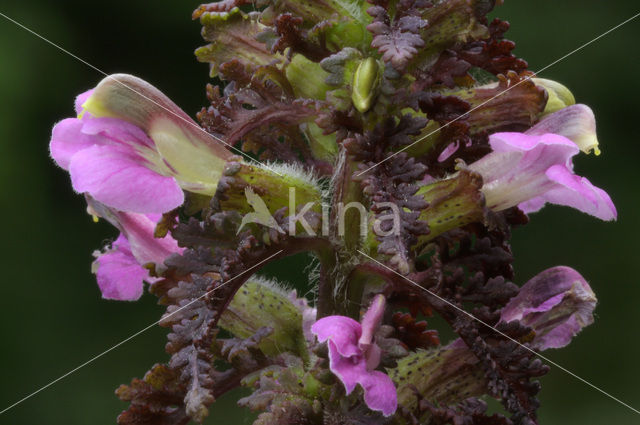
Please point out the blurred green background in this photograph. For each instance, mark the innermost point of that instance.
(52, 316)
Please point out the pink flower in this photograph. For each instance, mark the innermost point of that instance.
(531, 170)
(134, 150)
(353, 355)
(120, 270)
(556, 304)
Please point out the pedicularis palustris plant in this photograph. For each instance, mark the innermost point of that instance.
(329, 97)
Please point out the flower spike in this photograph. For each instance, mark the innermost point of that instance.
(405, 141)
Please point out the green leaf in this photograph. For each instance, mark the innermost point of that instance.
(233, 35)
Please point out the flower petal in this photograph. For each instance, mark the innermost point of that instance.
(80, 99)
(448, 151)
(118, 178)
(379, 392)
(120, 132)
(119, 275)
(138, 229)
(146, 248)
(370, 323)
(577, 123)
(67, 139)
(343, 331)
(496, 165)
(521, 142)
(532, 205)
(556, 304)
(578, 192)
(517, 157)
(350, 370)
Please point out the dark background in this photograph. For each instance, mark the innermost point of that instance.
(52, 316)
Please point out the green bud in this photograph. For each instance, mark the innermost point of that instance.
(559, 96)
(366, 81)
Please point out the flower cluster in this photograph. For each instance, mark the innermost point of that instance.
(414, 104)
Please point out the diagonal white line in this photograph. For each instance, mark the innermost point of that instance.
(138, 93)
(502, 334)
(501, 93)
(134, 335)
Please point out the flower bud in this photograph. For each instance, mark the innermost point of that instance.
(559, 96)
(366, 80)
